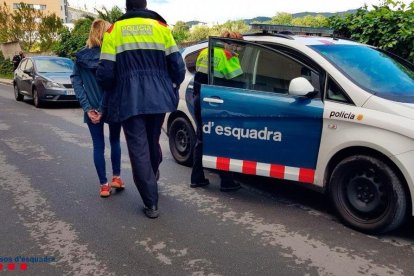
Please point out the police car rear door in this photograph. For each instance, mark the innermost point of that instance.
(250, 122)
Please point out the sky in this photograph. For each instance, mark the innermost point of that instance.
(219, 11)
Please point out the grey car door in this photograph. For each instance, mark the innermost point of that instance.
(27, 78)
(18, 75)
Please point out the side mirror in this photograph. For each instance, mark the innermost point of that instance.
(300, 87)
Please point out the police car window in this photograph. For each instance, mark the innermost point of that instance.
(274, 72)
(190, 61)
(227, 64)
(261, 69)
(317, 74)
(336, 93)
(372, 70)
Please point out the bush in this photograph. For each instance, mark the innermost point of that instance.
(72, 41)
(6, 67)
(388, 26)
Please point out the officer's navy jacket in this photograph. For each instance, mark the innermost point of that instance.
(141, 61)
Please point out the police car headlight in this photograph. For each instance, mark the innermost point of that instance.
(51, 84)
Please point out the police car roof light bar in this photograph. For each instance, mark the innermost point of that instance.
(292, 30)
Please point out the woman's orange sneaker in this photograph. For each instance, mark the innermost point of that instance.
(105, 190)
(117, 183)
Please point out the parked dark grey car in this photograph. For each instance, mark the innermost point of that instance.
(45, 79)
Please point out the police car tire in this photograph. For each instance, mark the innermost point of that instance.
(182, 127)
(19, 97)
(357, 178)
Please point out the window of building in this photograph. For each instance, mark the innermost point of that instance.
(33, 6)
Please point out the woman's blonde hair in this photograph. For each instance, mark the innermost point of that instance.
(98, 28)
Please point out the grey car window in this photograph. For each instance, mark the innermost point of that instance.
(56, 65)
(23, 64)
(29, 65)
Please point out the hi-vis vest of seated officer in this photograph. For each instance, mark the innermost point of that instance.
(226, 63)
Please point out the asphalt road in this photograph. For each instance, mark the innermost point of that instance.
(53, 222)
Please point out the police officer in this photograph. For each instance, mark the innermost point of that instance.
(226, 67)
(16, 60)
(140, 59)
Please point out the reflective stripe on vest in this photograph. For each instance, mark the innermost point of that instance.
(137, 34)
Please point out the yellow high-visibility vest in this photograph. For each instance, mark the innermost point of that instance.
(226, 64)
(137, 34)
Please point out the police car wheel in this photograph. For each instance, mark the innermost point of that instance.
(19, 97)
(181, 141)
(367, 194)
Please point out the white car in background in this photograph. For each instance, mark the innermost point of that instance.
(332, 114)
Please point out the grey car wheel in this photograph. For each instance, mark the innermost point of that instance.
(36, 101)
(19, 97)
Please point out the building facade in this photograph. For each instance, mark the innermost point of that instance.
(77, 13)
(59, 7)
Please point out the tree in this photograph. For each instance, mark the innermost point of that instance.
(5, 22)
(311, 21)
(233, 26)
(49, 31)
(200, 33)
(25, 25)
(110, 15)
(180, 31)
(71, 42)
(389, 26)
(28, 26)
(281, 18)
(203, 32)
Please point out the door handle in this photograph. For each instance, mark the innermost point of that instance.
(213, 100)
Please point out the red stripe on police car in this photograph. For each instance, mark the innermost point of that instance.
(256, 168)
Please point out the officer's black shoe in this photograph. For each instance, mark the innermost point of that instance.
(151, 212)
(230, 187)
(201, 183)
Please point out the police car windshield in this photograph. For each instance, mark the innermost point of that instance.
(372, 70)
(54, 65)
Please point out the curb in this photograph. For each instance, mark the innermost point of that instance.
(6, 82)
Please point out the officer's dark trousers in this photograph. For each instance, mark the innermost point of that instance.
(142, 134)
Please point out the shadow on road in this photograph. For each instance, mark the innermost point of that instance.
(294, 193)
(53, 105)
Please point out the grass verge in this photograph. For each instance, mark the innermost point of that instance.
(6, 76)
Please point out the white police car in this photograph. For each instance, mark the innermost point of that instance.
(334, 114)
